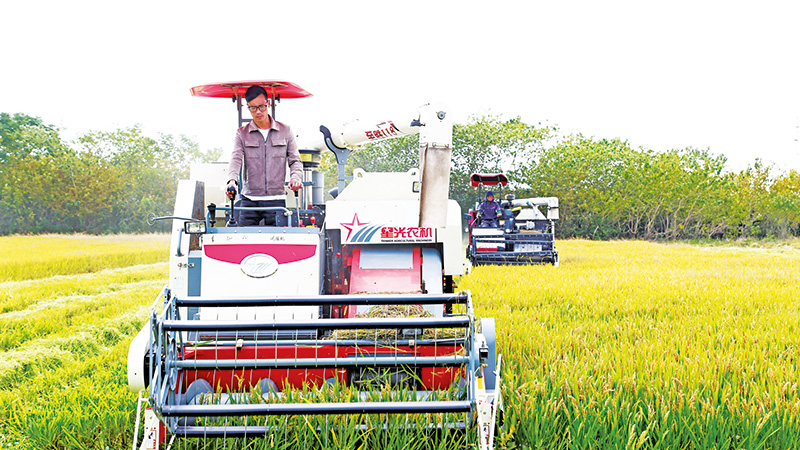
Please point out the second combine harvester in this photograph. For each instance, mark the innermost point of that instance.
(521, 233)
(260, 324)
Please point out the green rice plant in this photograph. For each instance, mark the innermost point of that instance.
(51, 316)
(64, 343)
(646, 345)
(626, 345)
(21, 298)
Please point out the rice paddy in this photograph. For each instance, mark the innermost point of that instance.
(626, 345)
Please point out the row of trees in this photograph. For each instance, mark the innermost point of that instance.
(612, 190)
(106, 182)
(606, 188)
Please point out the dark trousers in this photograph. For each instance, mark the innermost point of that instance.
(252, 218)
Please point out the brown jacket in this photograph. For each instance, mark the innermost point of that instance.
(264, 163)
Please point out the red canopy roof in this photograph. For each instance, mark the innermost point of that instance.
(489, 179)
(228, 89)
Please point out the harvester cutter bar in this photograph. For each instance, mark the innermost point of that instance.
(514, 258)
(334, 343)
(377, 299)
(256, 431)
(519, 238)
(300, 409)
(307, 363)
(320, 324)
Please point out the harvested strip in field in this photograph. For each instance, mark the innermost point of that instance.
(72, 345)
(33, 257)
(72, 300)
(17, 295)
(50, 320)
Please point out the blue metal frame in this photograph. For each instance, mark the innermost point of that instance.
(167, 349)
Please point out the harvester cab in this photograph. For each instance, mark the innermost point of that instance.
(513, 231)
(345, 311)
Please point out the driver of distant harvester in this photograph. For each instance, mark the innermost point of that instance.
(262, 151)
(489, 210)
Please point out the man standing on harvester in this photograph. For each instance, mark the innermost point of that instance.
(489, 210)
(263, 148)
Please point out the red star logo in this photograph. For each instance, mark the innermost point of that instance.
(350, 226)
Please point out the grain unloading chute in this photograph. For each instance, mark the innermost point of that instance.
(266, 332)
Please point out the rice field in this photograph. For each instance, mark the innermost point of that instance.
(69, 306)
(626, 345)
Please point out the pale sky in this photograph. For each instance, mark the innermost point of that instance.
(718, 75)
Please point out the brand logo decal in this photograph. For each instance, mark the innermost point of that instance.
(354, 225)
(259, 265)
(383, 130)
(358, 231)
(406, 234)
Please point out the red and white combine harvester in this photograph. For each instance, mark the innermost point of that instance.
(523, 232)
(262, 325)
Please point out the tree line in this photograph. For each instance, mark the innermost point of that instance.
(104, 182)
(107, 182)
(608, 189)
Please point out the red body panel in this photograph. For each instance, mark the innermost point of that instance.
(235, 253)
(242, 379)
(376, 281)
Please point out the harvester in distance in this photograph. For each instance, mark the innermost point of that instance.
(266, 329)
(521, 233)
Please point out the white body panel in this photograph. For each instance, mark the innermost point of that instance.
(291, 264)
(382, 208)
(550, 202)
(359, 132)
(179, 244)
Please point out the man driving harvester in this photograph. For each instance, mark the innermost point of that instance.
(263, 147)
(489, 210)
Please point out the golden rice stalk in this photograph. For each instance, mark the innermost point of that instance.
(395, 311)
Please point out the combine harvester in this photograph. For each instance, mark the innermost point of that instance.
(523, 234)
(265, 331)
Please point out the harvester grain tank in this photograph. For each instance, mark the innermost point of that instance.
(253, 315)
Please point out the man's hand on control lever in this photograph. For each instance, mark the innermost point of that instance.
(231, 191)
(295, 185)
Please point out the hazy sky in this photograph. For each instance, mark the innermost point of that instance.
(722, 75)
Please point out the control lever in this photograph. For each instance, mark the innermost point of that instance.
(297, 207)
(212, 214)
(231, 192)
